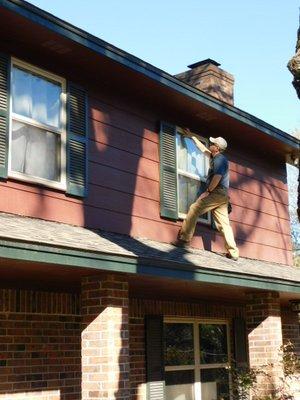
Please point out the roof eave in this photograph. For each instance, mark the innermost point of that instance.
(93, 43)
(18, 250)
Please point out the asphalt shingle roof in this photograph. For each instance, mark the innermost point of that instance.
(36, 231)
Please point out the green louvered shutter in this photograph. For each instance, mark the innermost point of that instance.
(4, 112)
(240, 342)
(168, 172)
(155, 357)
(77, 141)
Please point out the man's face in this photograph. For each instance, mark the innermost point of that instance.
(213, 147)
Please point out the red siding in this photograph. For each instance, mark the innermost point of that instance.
(124, 189)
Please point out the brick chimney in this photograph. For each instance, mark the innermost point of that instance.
(207, 76)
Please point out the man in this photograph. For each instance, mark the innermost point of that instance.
(214, 198)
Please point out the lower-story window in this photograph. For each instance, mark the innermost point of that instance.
(196, 360)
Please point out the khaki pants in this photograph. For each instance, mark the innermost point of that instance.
(217, 203)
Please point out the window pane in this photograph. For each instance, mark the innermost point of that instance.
(189, 190)
(213, 343)
(179, 344)
(21, 93)
(179, 385)
(36, 97)
(190, 158)
(35, 152)
(214, 384)
(182, 153)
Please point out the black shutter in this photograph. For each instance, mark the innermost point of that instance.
(240, 342)
(168, 172)
(155, 357)
(77, 141)
(4, 113)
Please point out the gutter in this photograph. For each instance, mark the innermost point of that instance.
(69, 31)
(66, 257)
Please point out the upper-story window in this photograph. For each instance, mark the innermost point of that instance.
(192, 168)
(37, 138)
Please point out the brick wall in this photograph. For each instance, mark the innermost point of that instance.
(291, 333)
(140, 307)
(105, 338)
(39, 345)
(41, 335)
(291, 328)
(263, 316)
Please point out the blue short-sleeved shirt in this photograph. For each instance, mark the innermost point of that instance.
(218, 166)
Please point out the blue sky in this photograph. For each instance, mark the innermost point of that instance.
(253, 40)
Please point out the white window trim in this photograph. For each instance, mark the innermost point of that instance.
(30, 121)
(179, 171)
(197, 367)
(62, 184)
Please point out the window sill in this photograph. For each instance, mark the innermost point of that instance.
(38, 181)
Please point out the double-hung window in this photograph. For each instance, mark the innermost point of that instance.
(192, 168)
(38, 127)
(196, 359)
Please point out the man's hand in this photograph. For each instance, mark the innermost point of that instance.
(196, 139)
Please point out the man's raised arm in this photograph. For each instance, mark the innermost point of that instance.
(198, 143)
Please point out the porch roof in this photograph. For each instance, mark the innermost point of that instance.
(40, 241)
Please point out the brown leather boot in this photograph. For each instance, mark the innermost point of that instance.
(181, 243)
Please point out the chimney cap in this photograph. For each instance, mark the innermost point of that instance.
(203, 62)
